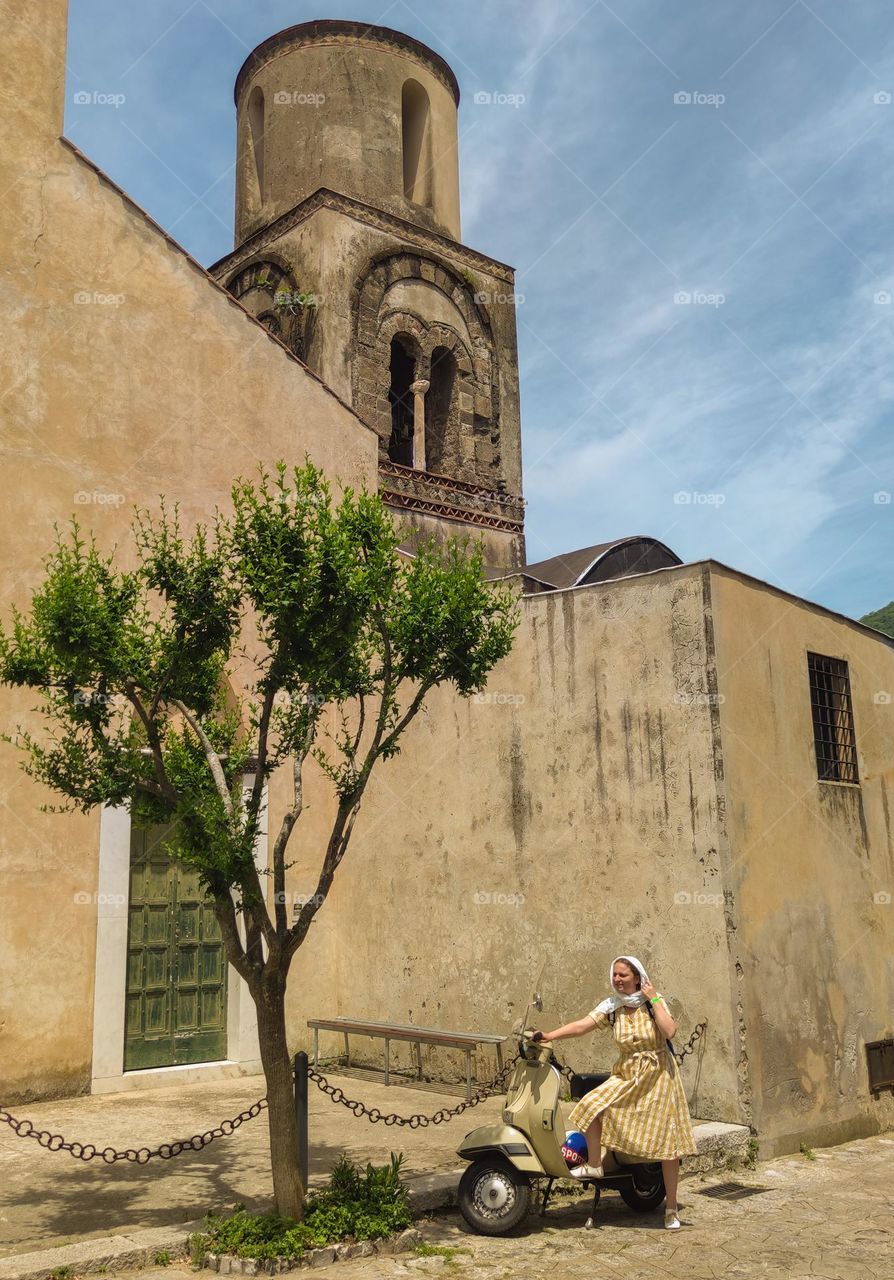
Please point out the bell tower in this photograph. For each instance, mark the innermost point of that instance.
(348, 249)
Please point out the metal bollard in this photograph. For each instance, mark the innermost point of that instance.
(301, 1113)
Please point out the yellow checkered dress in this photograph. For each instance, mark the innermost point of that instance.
(643, 1106)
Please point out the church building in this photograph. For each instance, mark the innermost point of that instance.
(676, 759)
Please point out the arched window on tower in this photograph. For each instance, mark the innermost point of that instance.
(257, 124)
(440, 404)
(416, 141)
(401, 399)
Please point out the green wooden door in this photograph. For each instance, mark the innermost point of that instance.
(176, 966)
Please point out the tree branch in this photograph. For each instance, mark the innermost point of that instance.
(168, 789)
(211, 756)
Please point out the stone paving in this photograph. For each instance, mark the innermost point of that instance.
(831, 1218)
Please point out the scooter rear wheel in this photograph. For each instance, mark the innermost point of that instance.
(493, 1196)
(644, 1193)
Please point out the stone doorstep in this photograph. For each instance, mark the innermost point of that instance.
(121, 1252)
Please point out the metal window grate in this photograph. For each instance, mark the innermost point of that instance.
(833, 719)
(880, 1064)
(732, 1191)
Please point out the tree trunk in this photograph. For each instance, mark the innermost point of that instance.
(288, 1190)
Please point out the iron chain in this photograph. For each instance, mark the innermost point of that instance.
(374, 1115)
(167, 1150)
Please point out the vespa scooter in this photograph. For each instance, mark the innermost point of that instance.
(508, 1160)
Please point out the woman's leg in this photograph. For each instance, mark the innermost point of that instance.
(671, 1171)
(593, 1135)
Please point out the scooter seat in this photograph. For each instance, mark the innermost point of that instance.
(584, 1083)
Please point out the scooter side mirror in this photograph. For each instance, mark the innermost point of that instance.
(537, 1002)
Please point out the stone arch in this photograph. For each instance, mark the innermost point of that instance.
(267, 288)
(475, 455)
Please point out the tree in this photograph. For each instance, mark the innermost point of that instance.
(341, 635)
(882, 619)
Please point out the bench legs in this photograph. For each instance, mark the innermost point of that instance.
(418, 1060)
(499, 1048)
(347, 1051)
(316, 1046)
(468, 1075)
(387, 1058)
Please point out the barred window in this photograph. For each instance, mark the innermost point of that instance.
(833, 719)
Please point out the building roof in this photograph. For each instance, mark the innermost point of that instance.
(620, 557)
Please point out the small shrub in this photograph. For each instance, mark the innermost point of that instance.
(356, 1204)
(752, 1149)
(807, 1151)
(162, 1258)
(61, 1273)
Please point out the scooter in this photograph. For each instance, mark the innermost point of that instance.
(507, 1160)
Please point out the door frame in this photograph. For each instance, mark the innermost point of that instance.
(110, 980)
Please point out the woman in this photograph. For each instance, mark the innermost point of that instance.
(641, 1108)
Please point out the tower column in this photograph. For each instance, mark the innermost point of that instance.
(419, 388)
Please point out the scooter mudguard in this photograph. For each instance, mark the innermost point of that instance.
(504, 1139)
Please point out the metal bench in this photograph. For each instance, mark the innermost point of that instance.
(388, 1031)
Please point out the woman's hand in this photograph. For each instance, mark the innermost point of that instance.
(648, 991)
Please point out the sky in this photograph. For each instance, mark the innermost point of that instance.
(697, 199)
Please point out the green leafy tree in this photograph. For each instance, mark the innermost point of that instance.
(882, 619)
(212, 661)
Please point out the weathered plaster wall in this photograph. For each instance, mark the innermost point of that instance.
(568, 814)
(811, 864)
(125, 373)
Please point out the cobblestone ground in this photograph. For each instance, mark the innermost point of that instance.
(825, 1219)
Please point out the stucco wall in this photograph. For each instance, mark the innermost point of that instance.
(553, 822)
(811, 866)
(126, 373)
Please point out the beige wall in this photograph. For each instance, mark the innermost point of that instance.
(551, 822)
(811, 864)
(105, 404)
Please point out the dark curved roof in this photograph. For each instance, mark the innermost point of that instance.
(320, 28)
(617, 559)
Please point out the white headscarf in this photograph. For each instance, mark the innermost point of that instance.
(614, 1001)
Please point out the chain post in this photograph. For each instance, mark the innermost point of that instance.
(301, 1115)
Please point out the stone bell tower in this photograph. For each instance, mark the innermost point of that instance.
(348, 249)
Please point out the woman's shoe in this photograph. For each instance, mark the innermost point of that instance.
(671, 1221)
(587, 1171)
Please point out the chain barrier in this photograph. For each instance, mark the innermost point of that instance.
(167, 1150)
(417, 1121)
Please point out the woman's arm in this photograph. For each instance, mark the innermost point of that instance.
(663, 1020)
(579, 1028)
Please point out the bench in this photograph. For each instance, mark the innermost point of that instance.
(388, 1031)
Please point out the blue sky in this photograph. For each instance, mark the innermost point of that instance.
(752, 422)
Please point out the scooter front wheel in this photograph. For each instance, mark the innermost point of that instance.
(493, 1196)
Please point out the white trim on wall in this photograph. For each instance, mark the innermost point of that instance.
(108, 1074)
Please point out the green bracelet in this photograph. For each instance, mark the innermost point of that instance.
(655, 999)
